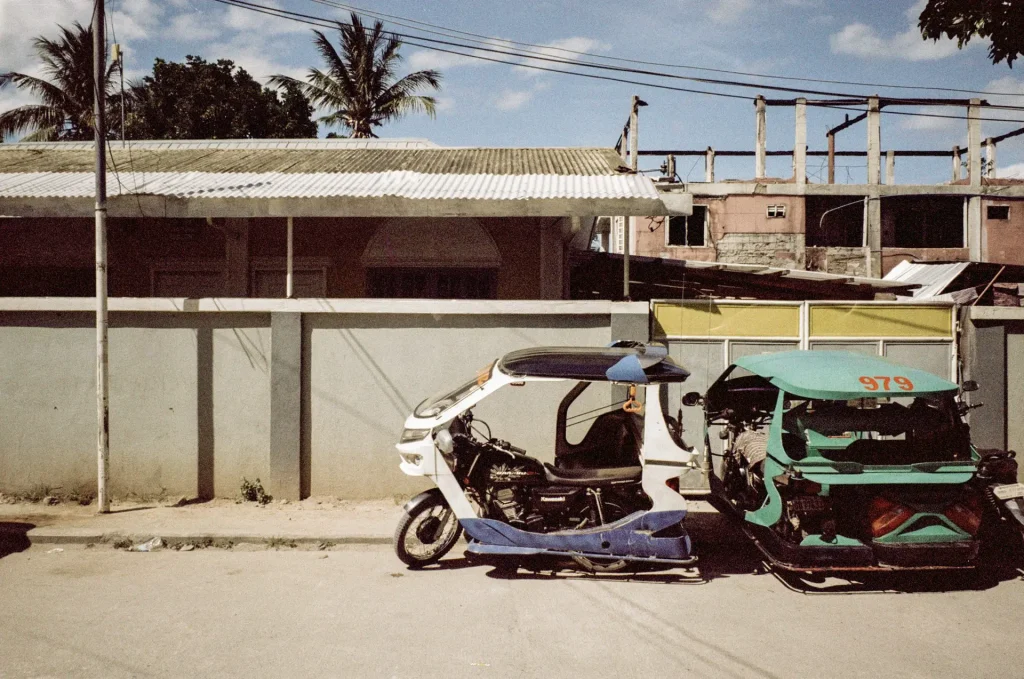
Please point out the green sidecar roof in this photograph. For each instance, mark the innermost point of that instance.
(841, 375)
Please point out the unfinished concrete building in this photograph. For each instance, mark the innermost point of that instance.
(849, 229)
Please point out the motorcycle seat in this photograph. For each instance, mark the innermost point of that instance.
(592, 477)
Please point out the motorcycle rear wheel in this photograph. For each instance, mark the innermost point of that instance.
(426, 534)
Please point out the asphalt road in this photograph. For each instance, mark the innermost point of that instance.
(357, 612)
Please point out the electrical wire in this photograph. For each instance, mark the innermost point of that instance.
(328, 23)
(398, 20)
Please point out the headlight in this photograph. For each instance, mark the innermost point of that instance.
(444, 442)
(410, 435)
(412, 458)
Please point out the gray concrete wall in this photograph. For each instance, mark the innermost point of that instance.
(308, 395)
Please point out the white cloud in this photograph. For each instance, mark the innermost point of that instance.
(188, 27)
(1015, 171)
(864, 41)
(445, 103)
(137, 19)
(513, 100)
(20, 22)
(728, 11)
(566, 49)
(428, 59)
(932, 124)
(239, 19)
(254, 57)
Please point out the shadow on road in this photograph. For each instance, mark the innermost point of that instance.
(14, 537)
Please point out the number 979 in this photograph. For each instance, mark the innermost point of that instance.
(884, 382)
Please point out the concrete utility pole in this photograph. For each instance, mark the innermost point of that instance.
(634, 144)
(873, 206)
(102, 393)
(974, 241)
(800, 143)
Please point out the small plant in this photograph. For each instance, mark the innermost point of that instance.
(122, 543)
(252, 491)
(278, 543)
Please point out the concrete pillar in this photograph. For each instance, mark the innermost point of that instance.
(985, 361)
(974, 142)
(236, 253)
(974, 232)
(551, 252)
(800, 143)
(990, 158)
(874, 142)
(709, 165)
(634, 132)
(760, 150)
(957, 160)
(873, 233)
(285, 405)
(890, 168)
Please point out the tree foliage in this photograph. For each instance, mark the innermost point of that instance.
(359, 87)
(1000, 21)
(66, 109)
(201, 100)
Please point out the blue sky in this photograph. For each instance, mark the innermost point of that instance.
(495, 105)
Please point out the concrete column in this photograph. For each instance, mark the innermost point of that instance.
(974, 233)
(800, 143)
(874, 142)
(974, 142)
(990, 158)
(873, 234)
(285, 405)
(709, 165)
(985, 355)
(551, 260)
(890, 168)
(236, 252)
(761, 130)
(634, 132)
(957, 160)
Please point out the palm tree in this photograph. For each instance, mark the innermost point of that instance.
(359, 88)
(66, 111)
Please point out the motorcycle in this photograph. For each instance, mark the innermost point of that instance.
(607, 501)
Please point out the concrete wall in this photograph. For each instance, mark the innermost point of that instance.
(308, 395)
(1002, 241)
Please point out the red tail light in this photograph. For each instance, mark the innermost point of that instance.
(966, 514)
(673, 483)
(886, 516)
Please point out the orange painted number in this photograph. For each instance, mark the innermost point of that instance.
(869, 383)
(904, 383)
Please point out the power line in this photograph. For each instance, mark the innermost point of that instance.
(328, 23)
(396, 19)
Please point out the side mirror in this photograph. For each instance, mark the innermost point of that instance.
(692, 399)
(969, 385)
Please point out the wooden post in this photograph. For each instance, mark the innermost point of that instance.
(99, 47)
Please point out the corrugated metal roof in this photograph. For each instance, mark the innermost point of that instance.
(250, 144)
(400, 184)
(933, 278)
(252, 158)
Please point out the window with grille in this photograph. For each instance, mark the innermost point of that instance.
(776, 211)
(688, 231)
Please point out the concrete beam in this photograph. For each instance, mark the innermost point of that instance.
(874, 142)
(974, 142)
(974, 233)
(285, 405)
(890, 168)
(812, 189)
(761, 141)
(800, 143)
(200, 208)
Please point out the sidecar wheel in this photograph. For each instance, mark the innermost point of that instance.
(427, 533)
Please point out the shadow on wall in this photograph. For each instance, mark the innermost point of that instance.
(14, 537)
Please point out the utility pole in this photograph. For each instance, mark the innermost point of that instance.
(102, 393)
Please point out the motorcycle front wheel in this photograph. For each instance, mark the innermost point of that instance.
(426, 533)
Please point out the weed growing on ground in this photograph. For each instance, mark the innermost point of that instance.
(278, 543)
(122, 543)
(252, 491)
